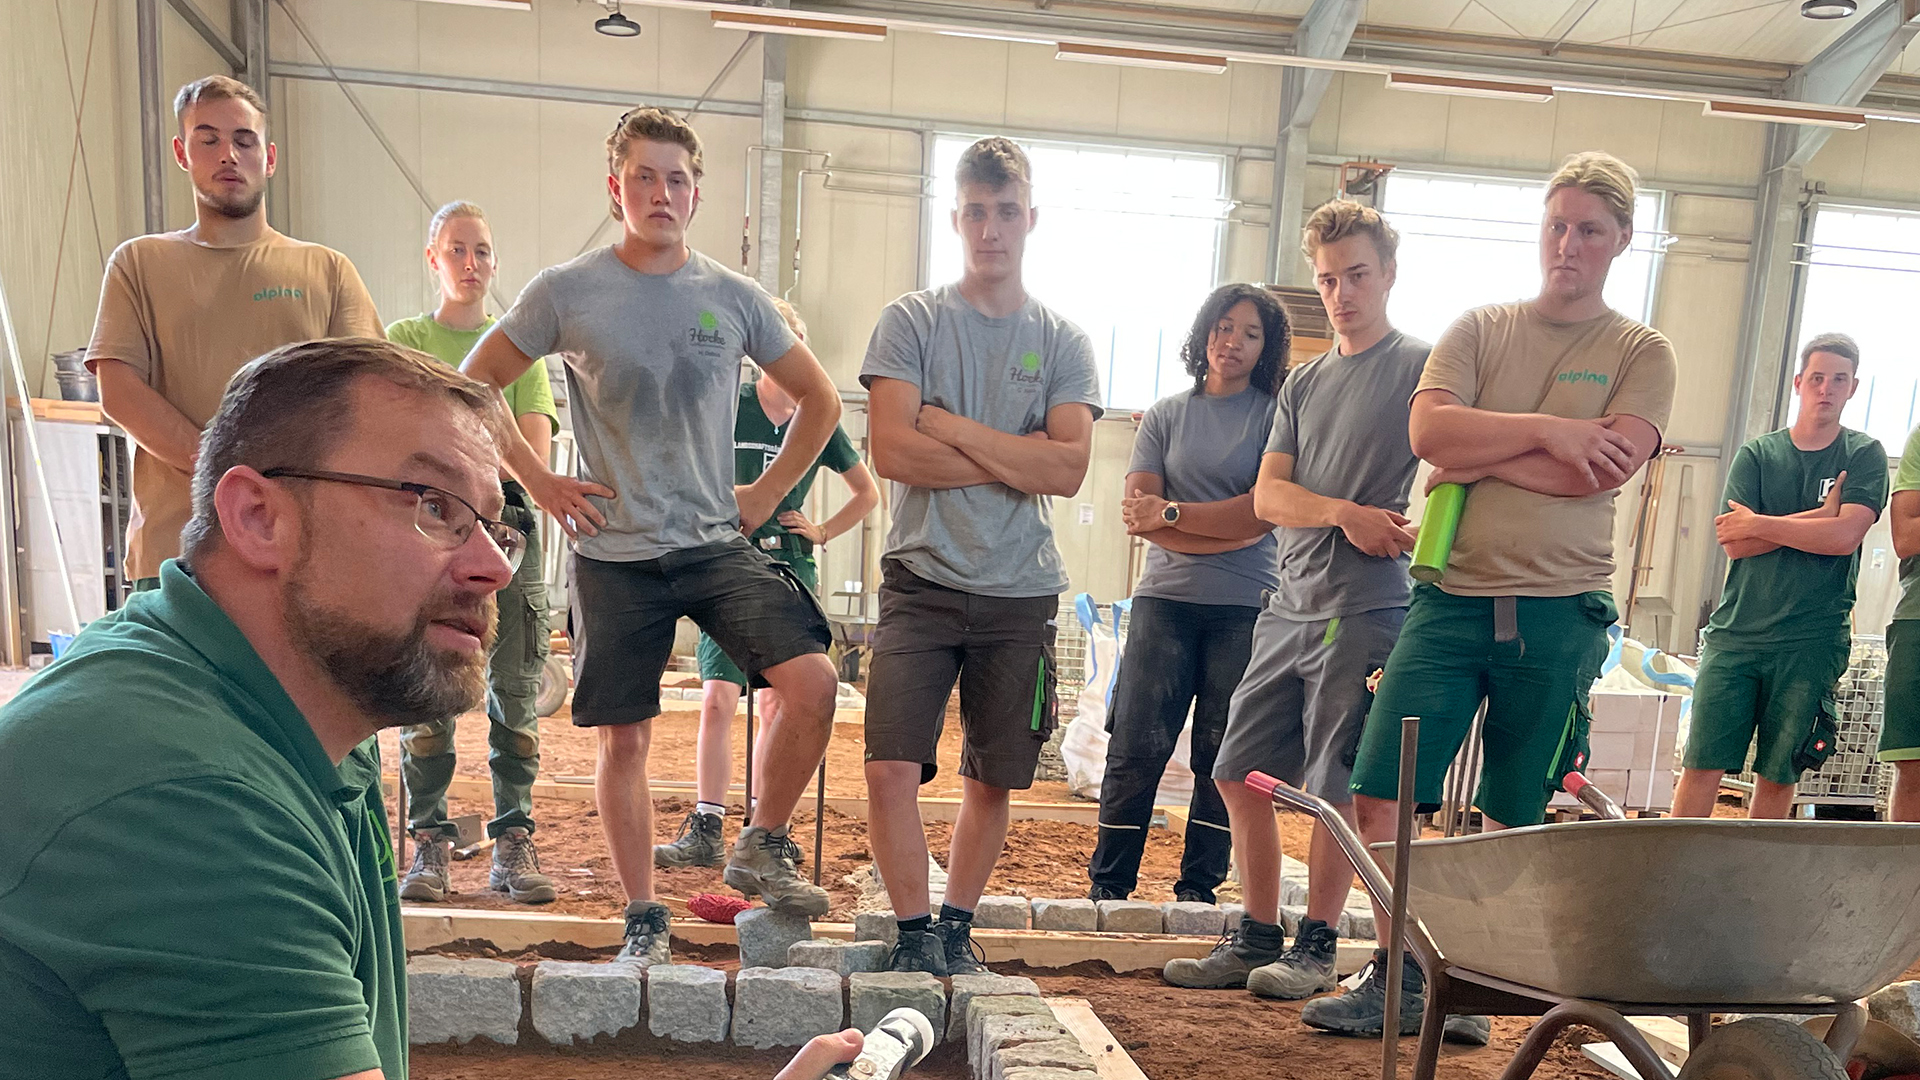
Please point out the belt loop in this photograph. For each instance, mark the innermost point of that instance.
(1506, 622)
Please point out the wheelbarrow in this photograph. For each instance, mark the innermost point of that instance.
(1589, 923)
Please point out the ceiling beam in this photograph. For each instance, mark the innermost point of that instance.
(1323, 33)
(197, 20)
(1849, 67)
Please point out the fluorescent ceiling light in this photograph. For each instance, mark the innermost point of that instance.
(504, 5)
(766, 21)
(1788, 114)
(1147, 58)
(987, 35)
(1486, 88)
(1829, 9)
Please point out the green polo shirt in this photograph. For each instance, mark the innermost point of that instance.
(189, 887)
(756, 440)
(530, 393)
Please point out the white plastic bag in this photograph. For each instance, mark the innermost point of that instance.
(1084, 747)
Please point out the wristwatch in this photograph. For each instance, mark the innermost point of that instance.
(1171, 515)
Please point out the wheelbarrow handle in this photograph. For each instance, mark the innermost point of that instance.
(1583, 789)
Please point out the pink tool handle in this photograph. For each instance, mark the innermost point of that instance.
(1262, 783)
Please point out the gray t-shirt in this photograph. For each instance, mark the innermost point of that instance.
(1344, 421)
(987, 539)
(653, 377)
(1206, 449)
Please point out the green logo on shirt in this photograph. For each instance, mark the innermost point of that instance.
(708, 321)
(1581, 376)
(1026, 371)
(708, 332)
(278, 293)
(1031, 361)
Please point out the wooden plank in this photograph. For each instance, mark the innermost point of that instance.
(1666, 1035)
(426, 927)
(1109, 1060)
(1608, 1056)
(931, 808)
(1176, 818)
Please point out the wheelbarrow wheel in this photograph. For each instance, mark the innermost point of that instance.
(554, 678)
(1763, 1048)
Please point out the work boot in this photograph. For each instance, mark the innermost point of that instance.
(1467, 1030)
(919, 950)
(792, 851)
(428, 880)
(1362, 1011)
(1101, 892)
(1192, 896)
(516, 869)
(1305, 969)
(962, 956)
(646, 934)
(1250, 945)
(760, 867)
(698, 844)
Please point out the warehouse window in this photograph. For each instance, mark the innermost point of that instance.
(1862, 273)
(1127, 247)
(1470, 241)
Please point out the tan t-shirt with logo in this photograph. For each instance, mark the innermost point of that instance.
(1508, 358)
(186, 317)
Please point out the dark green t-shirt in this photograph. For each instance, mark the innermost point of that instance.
(189, 887)
(1788, 596)
(756, 440)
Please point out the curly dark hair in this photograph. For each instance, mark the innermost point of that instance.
(1271, 370)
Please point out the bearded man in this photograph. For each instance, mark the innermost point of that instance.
(197, 880)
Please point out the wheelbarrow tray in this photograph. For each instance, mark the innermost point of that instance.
(1678, 911)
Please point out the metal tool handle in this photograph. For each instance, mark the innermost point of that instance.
(1583, 789)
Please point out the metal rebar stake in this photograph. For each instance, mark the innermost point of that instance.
(1402, 857)
(819, 818)
(749, 786)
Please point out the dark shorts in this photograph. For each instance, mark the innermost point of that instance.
(1900, 729)
(999, 650)
(1299, 710)
(1775, 700)
(624, 615)
(715, 664)
(1536, 689)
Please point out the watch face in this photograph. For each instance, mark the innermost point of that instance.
(1171, 513)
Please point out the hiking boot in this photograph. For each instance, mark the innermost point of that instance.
(646, 934)
(1467, 1030)
(698, 844)
(962, 956)
(792, 851)
(1192, 896)
(429, 879)
(516, 869)
(1362, 1011)
(1101, 892)
(919, 950)
(1250, 945)
(760, 867)
(1305, 969)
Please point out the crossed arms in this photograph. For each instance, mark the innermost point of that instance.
(926, 446)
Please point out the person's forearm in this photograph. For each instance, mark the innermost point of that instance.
(151, 420)
(1035, 466)
(1287, 504)
(1191, 544)
(850, 515)
(1538, 471)
(1747, 549)
(1226, 519)
(1906, 537)
(517, 455)
(1455, 436)
(817, 414)
(537, 429)
(916, 460)
(1815, 535)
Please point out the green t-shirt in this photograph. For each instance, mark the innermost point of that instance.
(756, 440)
(1788, 596)
(1907, 478)
(530, 393)
(189, 887)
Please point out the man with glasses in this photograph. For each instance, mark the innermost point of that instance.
(198, 878)
(653, 334)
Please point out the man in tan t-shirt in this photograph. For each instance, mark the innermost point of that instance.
(1545, 408)
(180, 312)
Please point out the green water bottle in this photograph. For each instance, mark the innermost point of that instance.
(1438, 523)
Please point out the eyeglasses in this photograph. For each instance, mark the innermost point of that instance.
(440, 515)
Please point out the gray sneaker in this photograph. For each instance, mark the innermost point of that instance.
(956, 941)
(760, 867)
(516, 869)
(698, 844)
(429, 880)
(646, 933)
(1250, 945)
(1362, 1010)
(1304, 970)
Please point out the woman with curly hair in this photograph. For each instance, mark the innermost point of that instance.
(1211, 561)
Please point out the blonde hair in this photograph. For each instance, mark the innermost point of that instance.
(995, 162)
(794, 321)
(1337, 219)
(1603, 176)
(216, 88)
(455, 209)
